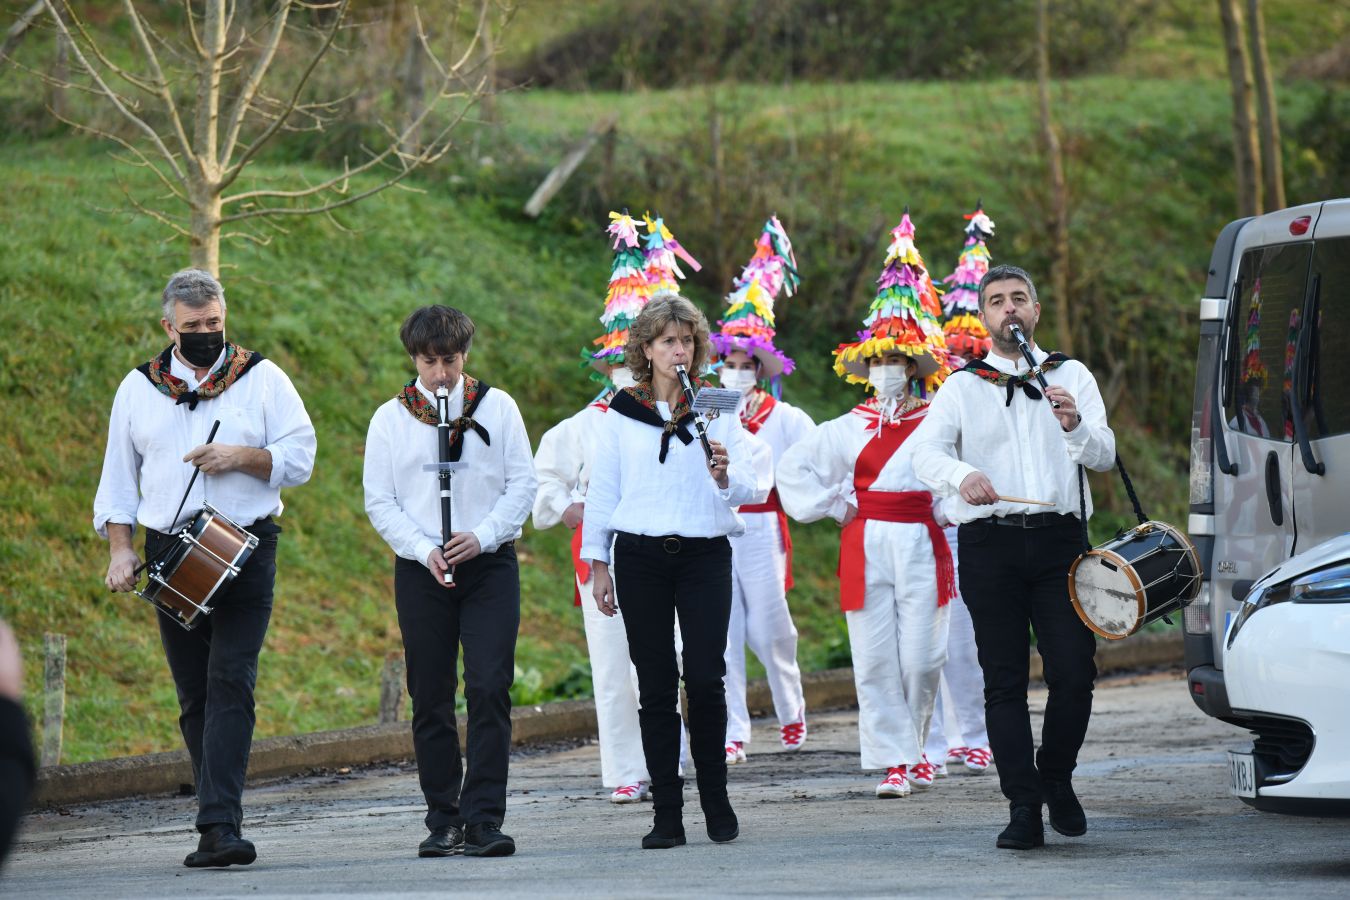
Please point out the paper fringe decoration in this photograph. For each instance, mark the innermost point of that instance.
(1253, 368)
(641, 267)
(904, 315)
(749, 321)
(961, 304)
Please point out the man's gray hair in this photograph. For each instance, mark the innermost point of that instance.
(193, 288)
(1002, 273)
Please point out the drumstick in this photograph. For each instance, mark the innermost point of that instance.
(1005, 498)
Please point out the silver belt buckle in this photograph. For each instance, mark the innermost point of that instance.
(671, 544)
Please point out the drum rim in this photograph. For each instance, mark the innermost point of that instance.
(1195, 558)
(1138, 585)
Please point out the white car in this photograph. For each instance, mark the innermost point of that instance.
(1287, 668)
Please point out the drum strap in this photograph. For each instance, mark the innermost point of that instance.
(1082, 500)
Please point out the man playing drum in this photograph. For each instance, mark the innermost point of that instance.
(162, 415)
(991, 433)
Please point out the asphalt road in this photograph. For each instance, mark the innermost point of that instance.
(1151, 776)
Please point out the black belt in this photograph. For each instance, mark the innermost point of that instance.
(671, 543)
(1033, 520)
(264, 527)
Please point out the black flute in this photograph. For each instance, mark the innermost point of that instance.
(1031, 360)
(443, 471)
(688, 389)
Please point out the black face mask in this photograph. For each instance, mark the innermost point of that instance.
(201, 348)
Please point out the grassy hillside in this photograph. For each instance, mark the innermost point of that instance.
(78, 283)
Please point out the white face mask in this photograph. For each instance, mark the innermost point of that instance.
(889, 381)
(742, 380)
(622, 378)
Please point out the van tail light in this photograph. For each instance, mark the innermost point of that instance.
(1196, 618)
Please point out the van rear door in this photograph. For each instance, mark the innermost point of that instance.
(1254, 509)
(1322, 501)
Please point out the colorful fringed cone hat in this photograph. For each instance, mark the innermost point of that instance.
(965, 333)
(749, 323)
(660, 250)
(903, 317)
(629, 291)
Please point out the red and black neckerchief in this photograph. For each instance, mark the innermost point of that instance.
(756, 410)
(424, 411)
(1012, 382)
(639, 404)
(235, 365)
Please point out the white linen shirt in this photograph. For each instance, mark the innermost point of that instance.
(490, 497)
(785, 426)
(1020, 447)
(563, 464)
(149, 433)
(631, 491)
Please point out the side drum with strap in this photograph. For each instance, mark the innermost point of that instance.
(1139, 577)
(187, 576)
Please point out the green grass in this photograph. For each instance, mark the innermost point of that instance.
(79, 278)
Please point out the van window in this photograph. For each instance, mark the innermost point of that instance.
(1328, 392)
(1273, 282)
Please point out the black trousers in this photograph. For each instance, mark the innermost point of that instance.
(482, 613)
(215, 669)
(1013, 578)
(657, 579)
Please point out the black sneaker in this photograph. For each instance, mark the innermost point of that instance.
(662, 839)
(486, 839)
(1066, 813)
(1024, 830)
(221, 845)
(444, 841)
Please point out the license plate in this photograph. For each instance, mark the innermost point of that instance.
(1241, 774)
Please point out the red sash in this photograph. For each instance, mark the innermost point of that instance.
(582, 568)
(774, 505)
(887, 506)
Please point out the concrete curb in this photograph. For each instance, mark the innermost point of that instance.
(160, 773)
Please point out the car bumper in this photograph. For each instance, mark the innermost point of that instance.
(1287, 677)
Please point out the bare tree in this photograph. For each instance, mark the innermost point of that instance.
(199, 146)
(1059, 188)
(1246, 151)
(1267, 111)
(15, 33)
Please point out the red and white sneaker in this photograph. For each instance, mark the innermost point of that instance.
(631, 793)
(940, 770)
(921, 775)
(978, 759)
(957, 755)
(895, 784)
(793, 735)
(735, 752)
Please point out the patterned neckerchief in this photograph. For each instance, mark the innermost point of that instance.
(639, 403)
(1011, 383)
(424, 411)
(875, 415)
(236, 363)
(755, 412)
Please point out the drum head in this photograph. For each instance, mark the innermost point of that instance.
(1107, 594)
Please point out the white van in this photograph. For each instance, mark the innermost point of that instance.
(1270, 434)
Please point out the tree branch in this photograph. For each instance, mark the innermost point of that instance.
(112, 95)
(252, 149)
(161, 84)
(235, 120)
(15, 32)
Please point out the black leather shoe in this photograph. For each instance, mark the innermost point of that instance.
(221, 845)
(1024, 830)
(444, 841)
(486, 839)
(1066, 813)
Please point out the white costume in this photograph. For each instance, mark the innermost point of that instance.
(899, 633)
(962, 693)
(760, 559)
